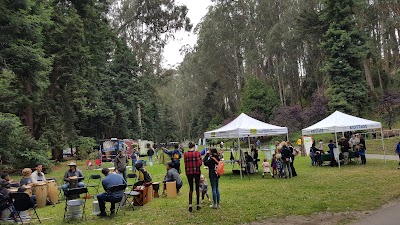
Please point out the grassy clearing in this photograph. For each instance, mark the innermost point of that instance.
(316, 189)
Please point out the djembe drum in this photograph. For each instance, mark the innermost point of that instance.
(73, 182)
(52, 191)
(28, 190)
(40, 192)
(156, 187)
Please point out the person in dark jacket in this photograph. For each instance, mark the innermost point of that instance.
(120, 163)
(211, 160)
(344, 148)
(150, 153)
(286, 157)
(176, 156)
(146, 176)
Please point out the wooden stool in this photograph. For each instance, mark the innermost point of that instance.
(171, 189)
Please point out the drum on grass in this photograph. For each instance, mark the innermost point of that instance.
(40, 192)
(52, 191)
(156, 187)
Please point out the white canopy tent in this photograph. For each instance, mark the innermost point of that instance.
(341, 122)
(245, 126)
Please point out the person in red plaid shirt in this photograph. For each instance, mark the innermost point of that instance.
(192, 159)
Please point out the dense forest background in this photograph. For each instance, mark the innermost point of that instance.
(75, 71)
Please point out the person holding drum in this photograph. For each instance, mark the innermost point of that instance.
(38, 175)
(73, 177)
(110, 180)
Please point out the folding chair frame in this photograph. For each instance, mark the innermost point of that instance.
(117, 188)
(74, 192)
(95, 186)
(24, 198)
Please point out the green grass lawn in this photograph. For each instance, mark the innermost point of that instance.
(315, 189)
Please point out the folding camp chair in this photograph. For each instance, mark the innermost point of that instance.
(131, 176)
(95, 184)
(117, 188)
(5, 204)
(75, 204)
(132, 194)
(22, 202)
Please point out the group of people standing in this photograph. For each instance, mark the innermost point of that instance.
(355, 145)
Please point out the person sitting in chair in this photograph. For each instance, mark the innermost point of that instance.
(172, 175)
(249, 162)
(110, 180)
(146, 176)
(72, 174)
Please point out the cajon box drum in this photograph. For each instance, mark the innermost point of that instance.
(150, 193)
(171, 189)
(52, 191)
(41, 194)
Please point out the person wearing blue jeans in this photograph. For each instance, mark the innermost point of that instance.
(73, 172)
(110, 180)
(211, 160)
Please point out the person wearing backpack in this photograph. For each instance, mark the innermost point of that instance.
(192, 160)
(212, 160)
(176, 156)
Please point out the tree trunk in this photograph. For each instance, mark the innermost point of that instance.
(368, 77)
(56, 153)
(28, 111)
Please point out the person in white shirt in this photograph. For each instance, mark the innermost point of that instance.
(38, 175)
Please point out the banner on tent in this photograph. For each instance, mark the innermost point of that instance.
(307, 140)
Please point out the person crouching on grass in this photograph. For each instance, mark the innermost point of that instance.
(172, 175)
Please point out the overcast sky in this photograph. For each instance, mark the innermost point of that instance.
(197, 9)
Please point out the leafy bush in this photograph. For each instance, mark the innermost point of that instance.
(84, 146)
(18, 148)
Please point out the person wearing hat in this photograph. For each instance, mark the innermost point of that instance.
(38, 175)
(72, 172)
(146, 176)
(110, 180)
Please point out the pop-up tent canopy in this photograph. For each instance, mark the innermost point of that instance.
(341, 122)
(245, 126)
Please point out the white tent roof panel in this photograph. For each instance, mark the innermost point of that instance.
(245, 126)
(341, 122)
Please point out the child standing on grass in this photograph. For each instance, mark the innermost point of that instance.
(266, 168)
(204, 188)
(361, 151)
(273, 164)
(279, 165)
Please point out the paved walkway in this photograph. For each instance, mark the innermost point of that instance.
(376, 156)
(388, 215)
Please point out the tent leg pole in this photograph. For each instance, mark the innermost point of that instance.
(383, 145)
(240, 158)
(337, 146)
